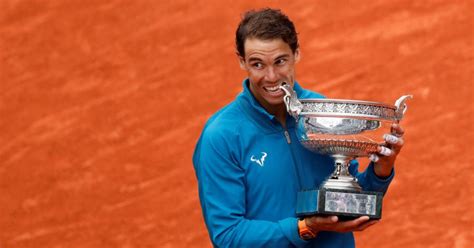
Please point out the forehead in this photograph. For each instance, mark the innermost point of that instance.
(258, 48)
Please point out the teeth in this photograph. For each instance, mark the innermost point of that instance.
(274, 88)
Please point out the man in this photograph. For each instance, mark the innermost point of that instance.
(249, 163)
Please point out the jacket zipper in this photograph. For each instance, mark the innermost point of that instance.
(288, 140)
(287, 136)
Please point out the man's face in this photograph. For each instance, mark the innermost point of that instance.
(269, 63)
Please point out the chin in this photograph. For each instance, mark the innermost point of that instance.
(274, 101)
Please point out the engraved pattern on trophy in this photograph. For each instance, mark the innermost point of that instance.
(338, 107)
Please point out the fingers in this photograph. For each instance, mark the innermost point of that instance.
(318, 221)
(397, 130)
(328, 220)
(391, 139)
(358, 221)
(374, 158)
(332, 223)
(394, 142)
(381, 151)
(385, 151)
(367, 224)
(353, 225)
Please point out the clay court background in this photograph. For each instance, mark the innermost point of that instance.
(101, 103)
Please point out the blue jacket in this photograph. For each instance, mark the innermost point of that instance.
(249, 170)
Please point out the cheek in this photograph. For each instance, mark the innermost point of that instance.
(256, 75)
(286, 71)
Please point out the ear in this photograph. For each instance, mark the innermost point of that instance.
(241, 62)
(297, 55)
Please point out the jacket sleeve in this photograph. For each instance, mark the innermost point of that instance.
(368, 180)
(222, 193)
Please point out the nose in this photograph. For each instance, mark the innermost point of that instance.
(270, 74)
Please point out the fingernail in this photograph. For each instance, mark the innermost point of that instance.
(392, 139)
(374, 158)
(385, 151)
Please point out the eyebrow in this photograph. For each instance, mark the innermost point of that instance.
(284, 56)
(253, 59)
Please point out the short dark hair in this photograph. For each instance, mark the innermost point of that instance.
(266, 24)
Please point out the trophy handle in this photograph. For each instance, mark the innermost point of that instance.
(401, 106)
(293, 105)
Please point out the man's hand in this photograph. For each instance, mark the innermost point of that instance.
(332, 224)
(386, 154)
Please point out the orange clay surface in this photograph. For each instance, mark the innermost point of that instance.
(101, 103)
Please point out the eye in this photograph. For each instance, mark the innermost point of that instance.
(257, 65)
(280, 61)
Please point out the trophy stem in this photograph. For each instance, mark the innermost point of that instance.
(341, 178)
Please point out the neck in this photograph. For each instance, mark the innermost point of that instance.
(279, 111)
(281, 117)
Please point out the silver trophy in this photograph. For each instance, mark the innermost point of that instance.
(345, 130)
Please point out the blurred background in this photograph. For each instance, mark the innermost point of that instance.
(102, 102)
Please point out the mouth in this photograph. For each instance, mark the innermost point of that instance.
(274, 90)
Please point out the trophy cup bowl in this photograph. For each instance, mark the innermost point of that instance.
(344, 130)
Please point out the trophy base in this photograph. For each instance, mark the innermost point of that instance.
(346, 204)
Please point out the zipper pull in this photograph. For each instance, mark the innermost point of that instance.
(287, 136)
